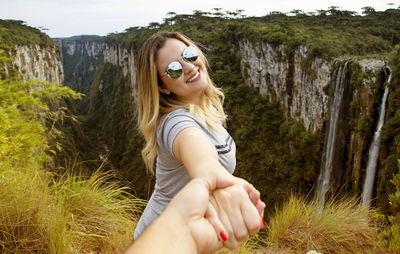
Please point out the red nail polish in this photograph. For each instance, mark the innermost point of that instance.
(262, 223)
(223, 236)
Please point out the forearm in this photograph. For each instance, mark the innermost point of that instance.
(209, 169)
(168, 234)
(198, 155)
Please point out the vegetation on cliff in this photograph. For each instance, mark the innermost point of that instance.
(392, 235)
(390, 148)
(329, 33)
(15, 32)
(44, 209)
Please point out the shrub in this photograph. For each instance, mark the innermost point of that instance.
(342, 227)
(392, 234)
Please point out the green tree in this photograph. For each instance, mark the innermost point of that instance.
(368, 10)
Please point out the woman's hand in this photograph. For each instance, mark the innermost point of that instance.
(182, 227)
(239, 209)
(254, 195)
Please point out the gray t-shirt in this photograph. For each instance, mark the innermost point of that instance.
(171, 176)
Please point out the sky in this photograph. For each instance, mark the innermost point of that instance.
(65, 18)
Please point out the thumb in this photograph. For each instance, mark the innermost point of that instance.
(218, 182)
(224, 181)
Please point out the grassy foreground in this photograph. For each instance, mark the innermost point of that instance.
(69, 214)
(342, 227)
(42, 211)
(298, 226)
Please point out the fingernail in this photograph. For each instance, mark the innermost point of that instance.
(262, 223)
(223, 236)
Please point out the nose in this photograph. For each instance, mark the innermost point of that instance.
(187, 66)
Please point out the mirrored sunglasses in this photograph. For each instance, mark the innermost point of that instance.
(174, 69)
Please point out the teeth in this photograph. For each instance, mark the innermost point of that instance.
(194, 77)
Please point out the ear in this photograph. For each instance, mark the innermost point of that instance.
(163, 90)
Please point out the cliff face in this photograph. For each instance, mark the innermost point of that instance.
(366, 96)
(81, 58)
(301, 84)
(106, 74)
(89, 48)
(305, 87)
(35, 62)
(64, 134)
(123, 58)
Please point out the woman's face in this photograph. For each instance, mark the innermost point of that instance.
(189, 86)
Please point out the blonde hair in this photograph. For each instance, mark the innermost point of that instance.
(152, 104)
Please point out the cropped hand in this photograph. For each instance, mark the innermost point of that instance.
(192, 206)
(239, 209)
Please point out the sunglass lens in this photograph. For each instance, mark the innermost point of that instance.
(190, 54)
(174, 70)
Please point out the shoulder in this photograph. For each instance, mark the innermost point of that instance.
(172, 124)
(177, 116)
(180, 112)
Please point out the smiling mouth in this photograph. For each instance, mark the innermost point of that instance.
(195, 77)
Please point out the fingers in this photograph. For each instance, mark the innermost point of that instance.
(236, 210)
(212, 216)
(236, 219)
(251, 217)
(254, 195)
(260, 206)
(224, 208)
(204, 236)
(201, 216)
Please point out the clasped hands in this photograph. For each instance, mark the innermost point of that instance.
(223, 212)
(205, 215)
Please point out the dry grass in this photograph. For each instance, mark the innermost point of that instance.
(92, 214)
(73, 214)
(342, 227)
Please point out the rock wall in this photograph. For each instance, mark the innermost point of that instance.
(301, 84)
(35, 62)
(125, 59)
(81, 58)
(90, 48)
(280, 76)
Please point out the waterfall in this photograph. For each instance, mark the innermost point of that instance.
(331, 135)
(374, 148)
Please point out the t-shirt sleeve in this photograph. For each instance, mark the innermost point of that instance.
(173, 124)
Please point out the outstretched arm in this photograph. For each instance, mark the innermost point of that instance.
(182, 227)
(239, 207)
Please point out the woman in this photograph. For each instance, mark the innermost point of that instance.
(181, 117)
